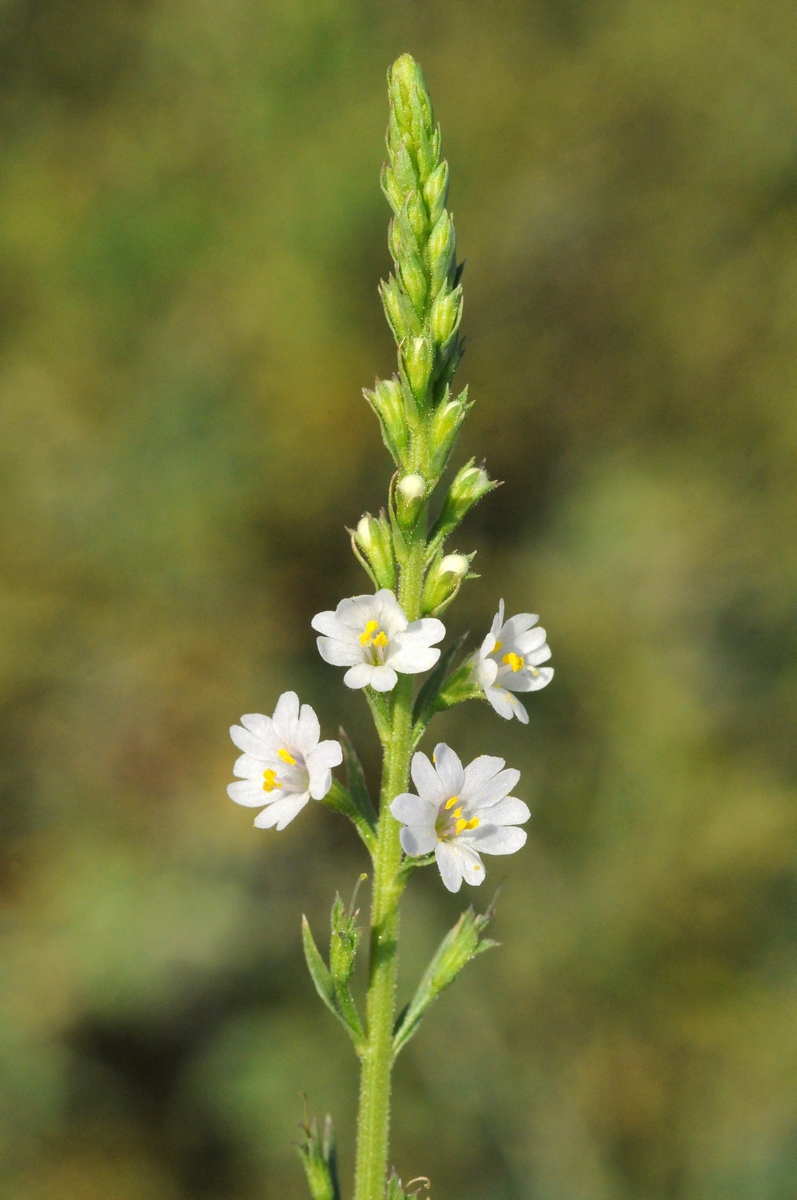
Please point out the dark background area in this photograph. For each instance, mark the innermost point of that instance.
(191, 235)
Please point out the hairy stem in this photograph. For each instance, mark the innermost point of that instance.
(373, 1123)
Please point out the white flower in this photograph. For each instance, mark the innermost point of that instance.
(371, 636)
(283, 763)
(460, 814)
(510, 661)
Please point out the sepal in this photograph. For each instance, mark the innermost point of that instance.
(458, 947)
(319, 1157)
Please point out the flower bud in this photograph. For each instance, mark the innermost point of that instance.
(468, 486)
(443, 581)
(446, 424)
(441, 250)
(418, 356)
(344, 937)
(391, 189)
(446, 314)
(387, 401)
(410, 495)
(401, 315)
(373, 538)
(416, 216)
(435, 192)
(408, 95)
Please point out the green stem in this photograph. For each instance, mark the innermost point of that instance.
(373, 1122)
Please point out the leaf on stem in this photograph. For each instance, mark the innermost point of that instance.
(355, 778)
(325, 986)
(458, 947)
(340, 799)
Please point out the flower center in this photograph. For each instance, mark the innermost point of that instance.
(374, 639)
(293, 779)
(515, 661)
(450, 822)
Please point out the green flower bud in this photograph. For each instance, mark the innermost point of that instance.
(446, 314)
(469, 485)
(343, 940)
(404, 170)
(409, 98)
(410, 496)
(391, 189)
(446, 424)
(443, 581)
(418, 356)
(401, 316)
(416, 216)
(440, 251)
(372, 542)
(435, 192)
(387, 401)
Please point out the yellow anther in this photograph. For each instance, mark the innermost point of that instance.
(380, 639)
(286, 757)
(270, 781)
(462, 824)
(454, 800)
(457, 812)
(515, 661)
(497, 647)
(366, 636)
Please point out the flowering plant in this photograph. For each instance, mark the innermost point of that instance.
(456, 814)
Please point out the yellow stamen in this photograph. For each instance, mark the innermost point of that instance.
(462, 824)
(286, 757)
(270, 781)
(497, 647)
(515, 661)
(366, 636)
(454, 800)
(457, 812)
(380, 639)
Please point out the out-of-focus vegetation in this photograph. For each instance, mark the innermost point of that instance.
(191, 234)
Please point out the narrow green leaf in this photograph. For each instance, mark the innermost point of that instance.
(339, 799)
(425, 708)
(458, 947)
(321, 977)
(355, 778)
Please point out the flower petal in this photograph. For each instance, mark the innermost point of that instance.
(524, 681)
(449, 770)
(359, 676)
(410, 659)
(449, 865)
(338, 653)
(479, 772)
(383, 678)
(426, 780)
(248, 793)
(509, 811)
(417, 839)
(328, 623)
(504, 839)
(286, 718)
(281, 812)
(325, 755)
(493, 790)
(251, 744)
(470, 863)
(413, 810)
(506, 705)
(247, 767)
(519, 625)
(309, 730)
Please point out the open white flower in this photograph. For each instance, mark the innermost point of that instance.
(510, 660)
(460, 813)
(283, 763)
(372, 637)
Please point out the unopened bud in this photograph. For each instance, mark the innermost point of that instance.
(373, 538)
(435, 192)
(446, 314)
(410, 495)
(418, 356)
(469, 485)
(401, 315)
(443, 581)
(387, 401)
(446, 424)
(344, 937)
(441, 250)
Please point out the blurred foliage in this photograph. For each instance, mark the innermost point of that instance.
(191, 234)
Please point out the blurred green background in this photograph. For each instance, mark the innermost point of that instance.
(191, 235)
